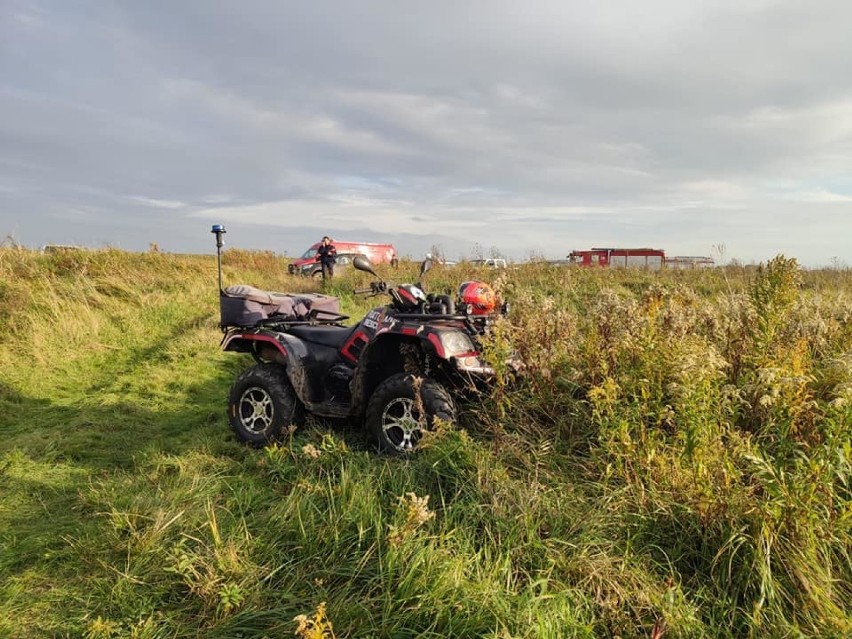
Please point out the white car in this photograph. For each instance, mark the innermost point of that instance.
(491, 262)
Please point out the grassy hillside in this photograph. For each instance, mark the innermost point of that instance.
(676, 462)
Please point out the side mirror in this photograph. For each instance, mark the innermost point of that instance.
(363, 264)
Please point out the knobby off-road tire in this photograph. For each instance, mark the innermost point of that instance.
(262, 404)
(402, 407)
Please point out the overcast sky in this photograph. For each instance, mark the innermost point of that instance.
(704, 127)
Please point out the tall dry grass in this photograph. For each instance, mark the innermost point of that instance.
(675, 461)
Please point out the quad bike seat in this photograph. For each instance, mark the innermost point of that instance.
(333, 336)
(243, 305)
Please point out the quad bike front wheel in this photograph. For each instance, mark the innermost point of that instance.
(402, 408)
(262, 404)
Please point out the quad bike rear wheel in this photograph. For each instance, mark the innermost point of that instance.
(402, 408)
(262, 404)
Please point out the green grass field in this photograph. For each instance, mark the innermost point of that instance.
(676, 462)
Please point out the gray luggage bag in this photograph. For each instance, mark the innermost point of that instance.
(243, 305)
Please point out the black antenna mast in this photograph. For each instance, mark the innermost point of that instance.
(219, 230)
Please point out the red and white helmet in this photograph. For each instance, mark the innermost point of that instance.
(477, 298)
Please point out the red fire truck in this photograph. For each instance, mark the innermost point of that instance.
(625, 257)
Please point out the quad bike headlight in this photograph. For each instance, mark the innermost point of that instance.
(456, 343)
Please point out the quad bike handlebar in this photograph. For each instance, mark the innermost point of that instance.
(374, 289)
(434, 307)
(426, 307)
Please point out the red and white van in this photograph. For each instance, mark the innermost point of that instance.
(376, 253)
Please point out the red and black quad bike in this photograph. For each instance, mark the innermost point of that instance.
(395, 371)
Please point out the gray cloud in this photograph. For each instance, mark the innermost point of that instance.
(537, 128)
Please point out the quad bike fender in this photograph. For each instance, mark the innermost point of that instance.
(444, 345)
(280, 348)
(386, 344)
(417, 350)
(263, 342)
(383, 356)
